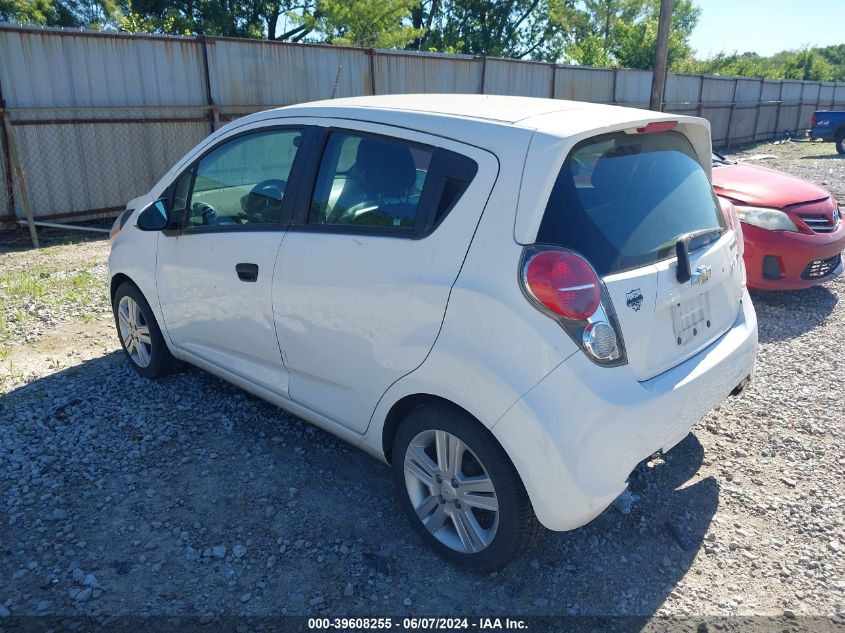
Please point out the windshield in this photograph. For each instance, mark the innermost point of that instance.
(622, 200)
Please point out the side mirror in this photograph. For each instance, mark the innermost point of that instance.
(155, 217)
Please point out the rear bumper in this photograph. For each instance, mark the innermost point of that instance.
(794, 251)
(578, 434)
(826, 134)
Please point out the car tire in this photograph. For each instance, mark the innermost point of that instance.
(840, 142)
(139, 334)
(460, 523)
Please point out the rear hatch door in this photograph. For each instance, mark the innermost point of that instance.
(663, 321)
(623, 200)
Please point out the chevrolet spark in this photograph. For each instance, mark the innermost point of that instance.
(511, 301)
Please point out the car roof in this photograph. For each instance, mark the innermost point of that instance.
(423, 111)
(498, 108)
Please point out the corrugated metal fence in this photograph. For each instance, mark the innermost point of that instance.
(96, 118)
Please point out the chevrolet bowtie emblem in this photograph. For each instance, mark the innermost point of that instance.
(701, 275)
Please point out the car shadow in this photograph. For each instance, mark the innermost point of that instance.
(787, 315)
(154, 473)
(622, 565)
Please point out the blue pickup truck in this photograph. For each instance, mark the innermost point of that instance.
(829, 126)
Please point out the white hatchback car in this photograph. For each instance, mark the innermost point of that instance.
(512, 301)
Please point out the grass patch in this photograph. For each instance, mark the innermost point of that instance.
(58, 290)
(26, 284)
(80, 287)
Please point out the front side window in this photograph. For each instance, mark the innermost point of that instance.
(369, 181)
(623, 200)
(243, 182)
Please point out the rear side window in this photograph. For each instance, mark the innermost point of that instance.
(623, 200)
(387, 186)
(369, 181)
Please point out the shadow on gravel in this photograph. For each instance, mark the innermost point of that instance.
(629, 564)
(154, 475)
(787, 315)
(824, 156)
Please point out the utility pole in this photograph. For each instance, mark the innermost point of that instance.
(658, 75)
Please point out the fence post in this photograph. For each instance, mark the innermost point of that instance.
(700, 108)
(731, 113)
(757, 113)
(19, 178)
(483, 72)
(372, 53)
(7, 161)
(213, 113)
(552, 87)
(613, 93)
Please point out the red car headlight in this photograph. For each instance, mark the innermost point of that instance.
(769, 219)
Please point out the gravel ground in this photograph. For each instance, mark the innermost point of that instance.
(188, 496)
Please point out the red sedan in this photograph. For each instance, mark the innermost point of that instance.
(792, 230)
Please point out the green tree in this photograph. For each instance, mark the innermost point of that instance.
(234, 18)
(807, 64)
(835, 56)
(624, 32)
(590, 50)
(27, 11)
(91, 14)
(533, 29)
(815, 64)
(635, 42)
(370, 23)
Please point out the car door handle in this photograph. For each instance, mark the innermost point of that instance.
(247, 272)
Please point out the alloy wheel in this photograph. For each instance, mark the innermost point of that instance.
(134, 332)
(451, 491)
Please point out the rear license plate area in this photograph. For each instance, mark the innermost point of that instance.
(691, 318)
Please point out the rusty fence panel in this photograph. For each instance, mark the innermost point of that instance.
(520, 79)
(97, 117)
(633, 88)
(581, 83)
(89, 168)
(766, 124)
(403, 72)
(682, 94)
(271, 74)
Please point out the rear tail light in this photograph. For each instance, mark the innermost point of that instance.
(564, 286)
(813, 120)
(564, 283)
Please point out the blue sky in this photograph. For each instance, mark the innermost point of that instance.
(767, 26)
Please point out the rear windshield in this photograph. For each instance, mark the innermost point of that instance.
(622, 200)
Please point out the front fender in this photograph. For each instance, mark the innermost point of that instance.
(133, 254)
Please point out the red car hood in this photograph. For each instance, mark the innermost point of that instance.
(763, 187)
